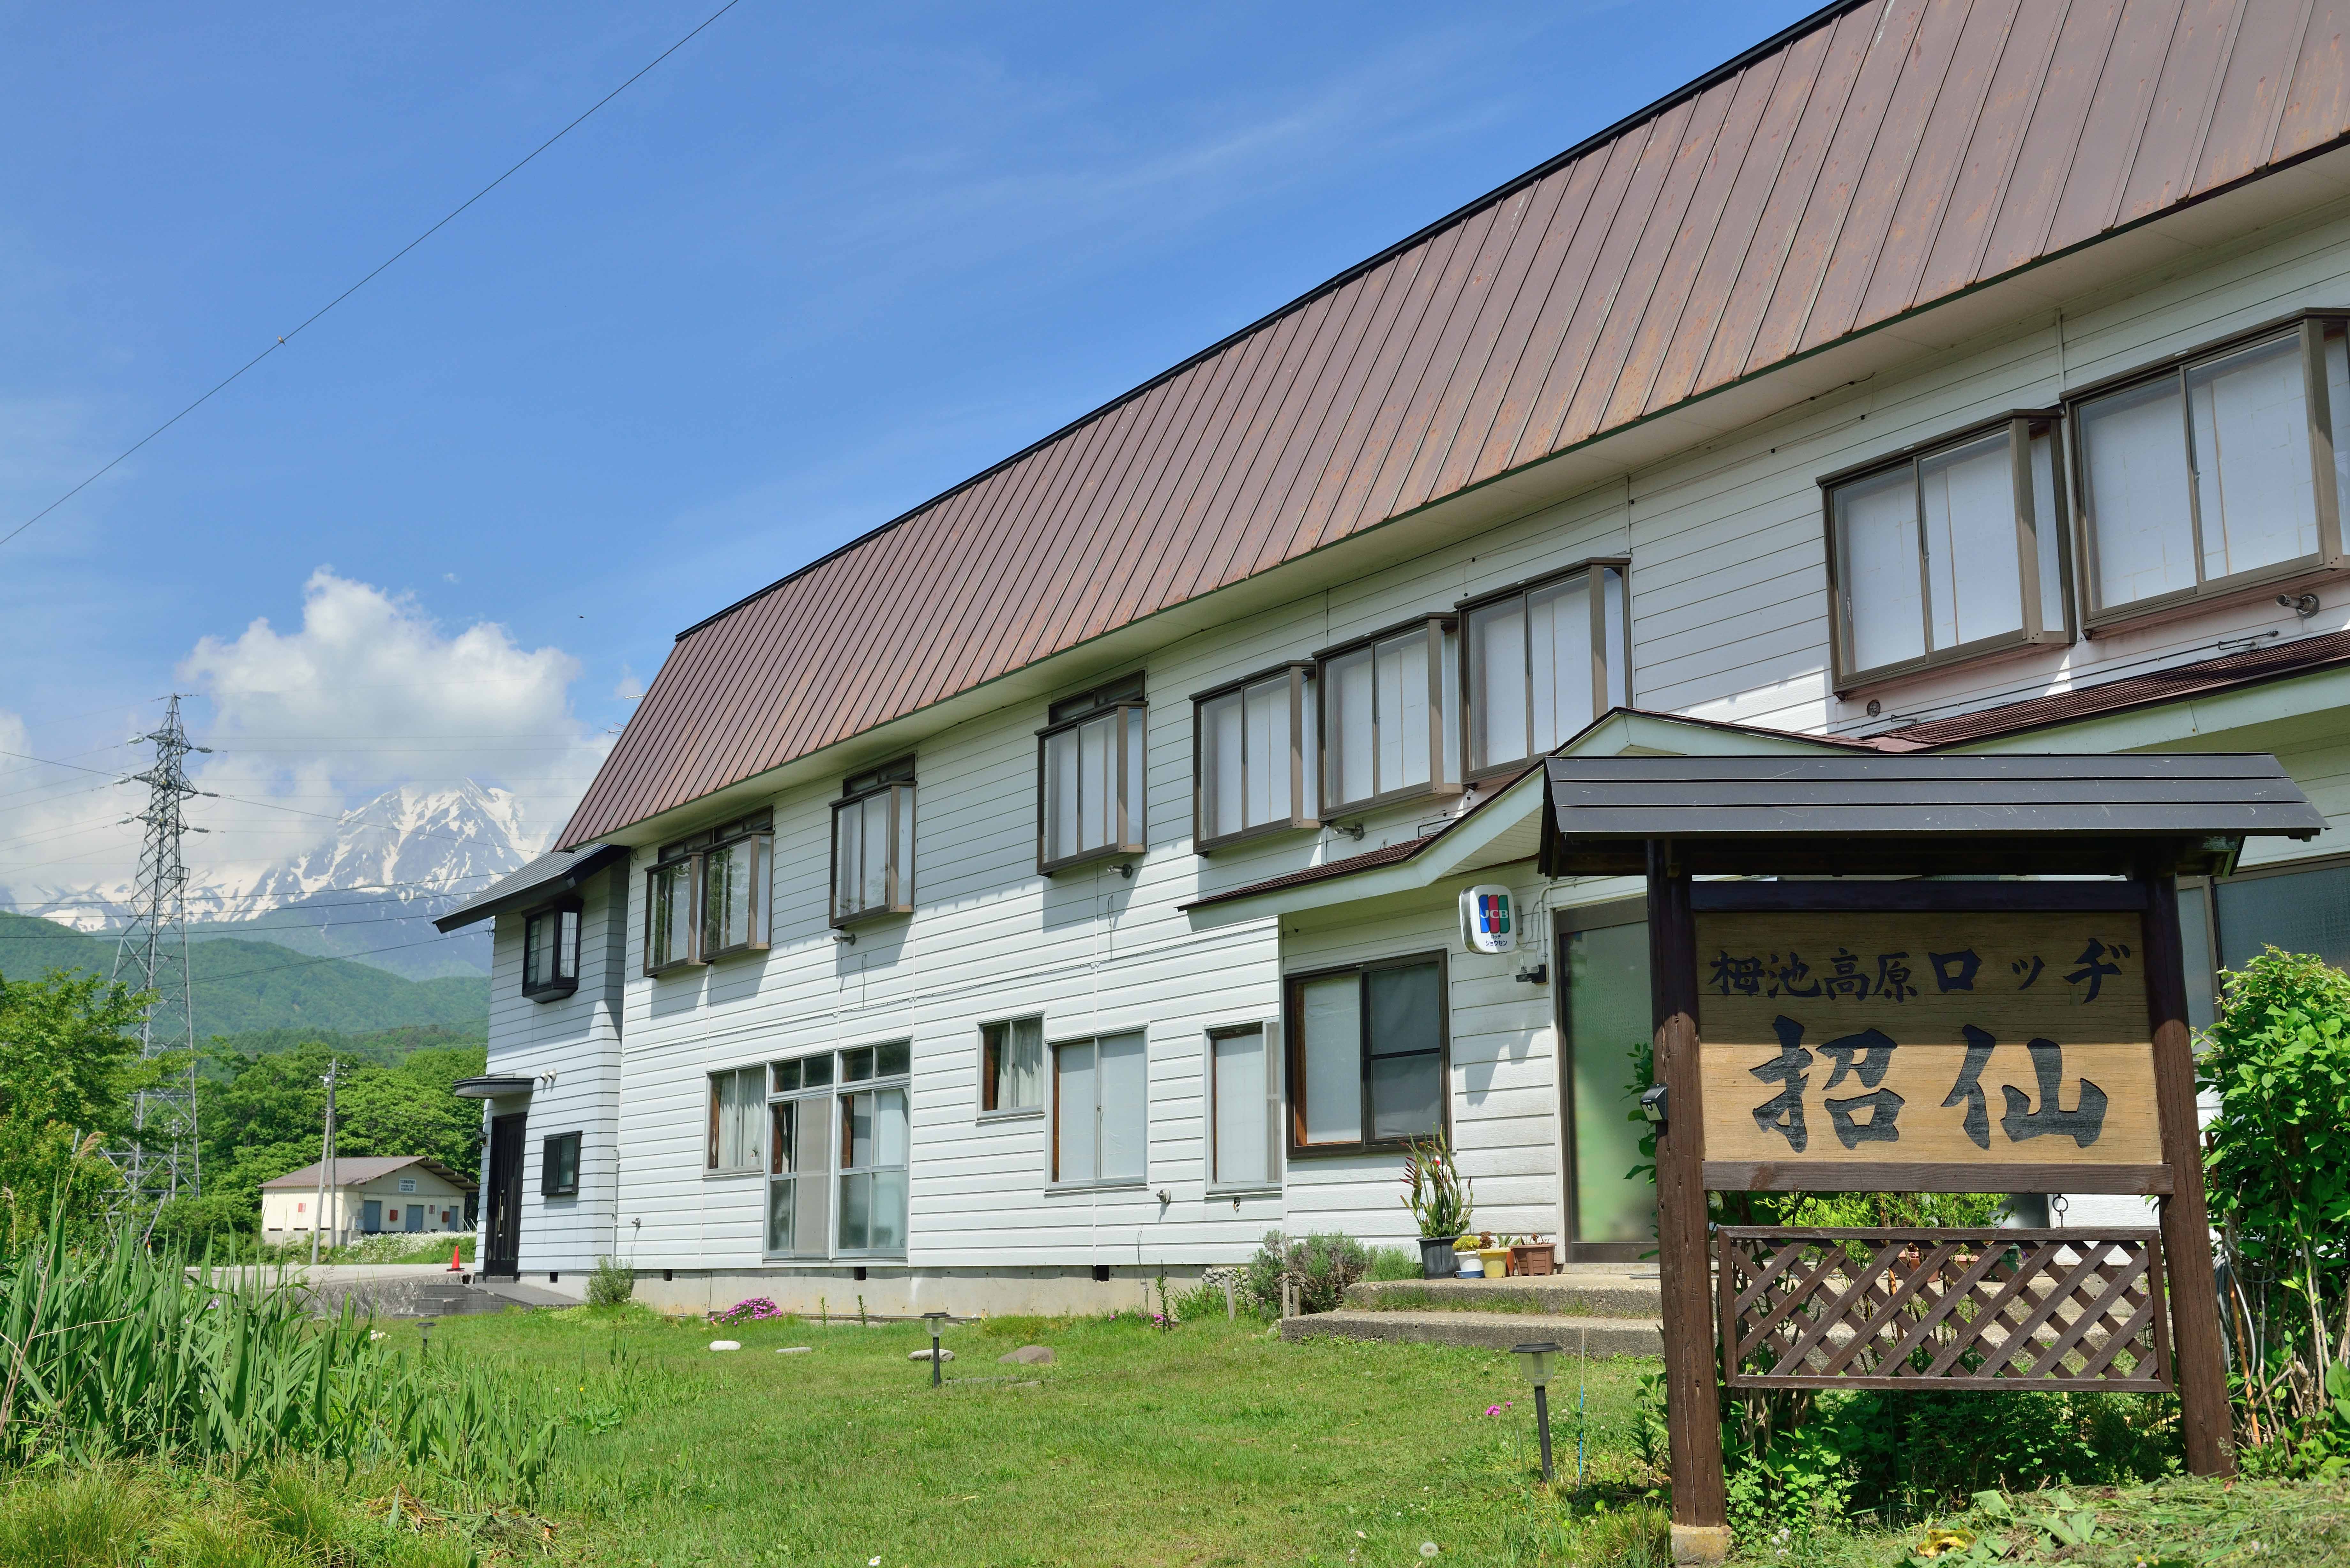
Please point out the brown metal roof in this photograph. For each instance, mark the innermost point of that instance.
(2204, 678)
(1876, 158)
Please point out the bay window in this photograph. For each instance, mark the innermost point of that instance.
(1244, 1101)
(1544, 660)
(706, 897)
(1948, 550)
(670, 925)
(2222, 470)
(1101, 1111)
(873, 844)
(1012, 1065)
(1368, 1059)
(550, 953)
(735, 1104)
(734, 895)
(1090, 764)
(1254, 746)
(1390, 726)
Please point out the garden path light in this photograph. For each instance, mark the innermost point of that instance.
(1534, 1360)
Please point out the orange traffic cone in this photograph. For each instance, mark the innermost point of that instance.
(456, 1265)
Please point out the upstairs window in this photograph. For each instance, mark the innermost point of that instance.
(706, 897)
(1090, 767)
(550, 953)
(1948, 551)
(1391, 728)
(1368, 1059)
(1012, 1065)
(873, 844)
(1545, 660)
(2221, 470)
(1256, 752)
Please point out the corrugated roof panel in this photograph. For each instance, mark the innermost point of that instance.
(1880, 156)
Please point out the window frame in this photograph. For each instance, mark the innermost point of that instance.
(813, 1112)
(2311, 327)
(689, 863)
(762, 841)
(843, 1089)
(1276, 1074)
(896, 779)
(1300, 672)
(563, 985)
(548, 1186)
(1592, 569)
(1054, 1182)
(756, 1159)
(1069, 713)
(1294, 1047)
(2039, 629)
(988, 1109)
(1435, 623)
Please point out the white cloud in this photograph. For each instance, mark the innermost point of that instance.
(368, 693)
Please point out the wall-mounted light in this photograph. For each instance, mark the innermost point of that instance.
(846, 939)
(1653, 1108)
(2303, 605)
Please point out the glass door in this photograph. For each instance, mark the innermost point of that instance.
(1605, 1022)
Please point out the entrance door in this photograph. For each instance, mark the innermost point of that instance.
(1606, 1022)
(506, 1197)
(371, 1216)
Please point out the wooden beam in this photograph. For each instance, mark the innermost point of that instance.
(2186, 1222)
(1692, 1396)
(1799, 1176)
(1913, 897)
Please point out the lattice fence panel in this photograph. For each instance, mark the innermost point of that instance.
(1950, 1308)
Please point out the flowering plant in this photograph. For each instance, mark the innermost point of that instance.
(753, 1310)
(1434, 1189)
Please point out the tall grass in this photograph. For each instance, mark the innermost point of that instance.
(120, 1352)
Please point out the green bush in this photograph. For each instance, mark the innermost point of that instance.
(1321, 1266)
(1394, 1263)
(612, 1282)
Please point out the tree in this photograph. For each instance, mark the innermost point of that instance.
(68, 1065)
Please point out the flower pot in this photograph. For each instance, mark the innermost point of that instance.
(1497, 1262)
(1533, 1257)
(1473, 1265)
(1436, 1257)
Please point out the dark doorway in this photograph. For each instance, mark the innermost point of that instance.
(504, 1253)
(1605, 1022)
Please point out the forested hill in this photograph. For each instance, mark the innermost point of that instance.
(241, 987)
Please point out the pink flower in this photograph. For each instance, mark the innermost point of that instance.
(1493, 1409)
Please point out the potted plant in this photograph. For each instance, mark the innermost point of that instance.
(1439, 1200)
(1495, 1252)
(1533, 1255)
(1466, 1261)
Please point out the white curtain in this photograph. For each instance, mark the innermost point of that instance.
(1242, 1126)
(1330, 1014)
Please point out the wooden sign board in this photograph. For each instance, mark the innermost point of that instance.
(2002, 1052)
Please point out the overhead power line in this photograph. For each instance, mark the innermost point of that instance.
(286, 337)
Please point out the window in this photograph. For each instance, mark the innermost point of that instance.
(1948, 551)
(1545, 660)
(558, 1165)
(1100, 1112)
(1091, 764)
(873, 1148)
(735, 1102)
(1368, 1062)
(2224, 470)
(550, 953)
(1012, 1065)
(1245, 1089)
(797, 1156)
(1256, 744)
(706, 897)
(1391, 728)
(873, 844)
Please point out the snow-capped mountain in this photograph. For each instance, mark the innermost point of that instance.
(368, 890)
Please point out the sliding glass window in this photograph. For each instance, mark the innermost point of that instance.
(1948, 551)
(1090, 764)
(1390, 718)
(873, 844)
(1368, 1055)
(1256, 756)
(1544, 660)
(2221, 470)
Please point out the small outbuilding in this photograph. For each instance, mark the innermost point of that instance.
(367, 1196)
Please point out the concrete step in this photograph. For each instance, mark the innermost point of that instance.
(1576, 1334)
(1583, 1292)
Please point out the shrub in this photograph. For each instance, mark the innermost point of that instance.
(751, 1308)
(612, 1282)
(1394, 1263)
(1321, 1266)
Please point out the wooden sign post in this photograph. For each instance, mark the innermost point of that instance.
(1854, 992)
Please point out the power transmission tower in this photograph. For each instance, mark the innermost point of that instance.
(160, 1163)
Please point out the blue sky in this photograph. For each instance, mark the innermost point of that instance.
(822, 264)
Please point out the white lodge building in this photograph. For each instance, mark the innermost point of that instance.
(1062, 880)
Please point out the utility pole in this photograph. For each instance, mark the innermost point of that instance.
(326, 1161)
(160, 1163)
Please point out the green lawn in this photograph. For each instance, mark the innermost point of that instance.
(1212, 1445)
